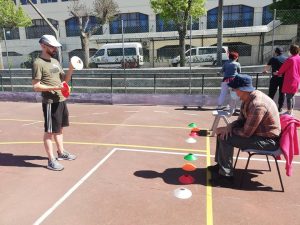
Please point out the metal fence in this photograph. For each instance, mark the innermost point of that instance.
(184, 82)
(252, 35)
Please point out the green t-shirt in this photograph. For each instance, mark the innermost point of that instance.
(50, 73)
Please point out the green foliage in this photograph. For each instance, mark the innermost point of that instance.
(288, 11)
(178, 10)
(12, 16)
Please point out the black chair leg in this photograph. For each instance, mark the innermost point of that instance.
(245, 170)
(268, 163)
(236, 159)
(279, 173)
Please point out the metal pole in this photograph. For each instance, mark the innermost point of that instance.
(7, 61)
(125, 84)
(123, 51)
(273, 31)
(190, 84)
(220, 33)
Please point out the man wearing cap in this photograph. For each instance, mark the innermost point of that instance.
(258, 127)
(276, 81)
(47, 78)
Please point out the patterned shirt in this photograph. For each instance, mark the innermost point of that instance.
(259, 116)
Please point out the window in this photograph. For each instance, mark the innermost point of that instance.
(73, 28)
(240, 47)
(48, 1)
(24, 2)
(193, 52)
(130, 51)
(11, 54)
(162, 25)
(132, 23)
(114, 51)
(267, 15)
(40, 27)
(100, 52)
(233, 16)
(11, 34)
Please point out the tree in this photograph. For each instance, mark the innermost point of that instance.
(179, 11)
(103, 10)
(288, 11)
(11, 16)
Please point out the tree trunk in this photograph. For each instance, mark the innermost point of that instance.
(1, 59)
(86, 50)
(182, 33)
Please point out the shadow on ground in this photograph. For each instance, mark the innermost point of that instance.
(171, 176)
(8, 159)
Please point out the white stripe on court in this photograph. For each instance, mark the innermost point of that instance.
(85, 177)
(27, 124)
(68, 193)
(99, 113)
(161, 112)
(131, 111)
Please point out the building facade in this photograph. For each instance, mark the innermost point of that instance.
(248, 28)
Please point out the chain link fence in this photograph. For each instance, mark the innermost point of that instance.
(252, 35)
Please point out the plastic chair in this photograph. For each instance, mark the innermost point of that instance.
(252, 152)
(219, 114)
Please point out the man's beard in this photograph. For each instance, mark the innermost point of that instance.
(53, 54)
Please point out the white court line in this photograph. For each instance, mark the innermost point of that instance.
(68, 193)
(161, 112)
(85, 177)
(191, 114)
(99, 113)
(27, 124)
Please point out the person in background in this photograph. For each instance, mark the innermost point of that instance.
(47, 77)
(229, 70)
(291, 70)
(257, 127)
(276, 81)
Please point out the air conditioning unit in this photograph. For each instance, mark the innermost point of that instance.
(146, 43)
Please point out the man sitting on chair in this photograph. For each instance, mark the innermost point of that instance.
(257, 127)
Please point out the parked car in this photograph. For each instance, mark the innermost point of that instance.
(113, 54)
(202, 56)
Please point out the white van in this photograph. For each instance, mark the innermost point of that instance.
(203, 56)
(113, 54)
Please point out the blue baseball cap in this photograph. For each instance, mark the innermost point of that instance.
(242, 82)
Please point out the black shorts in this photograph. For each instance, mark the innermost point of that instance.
(56, 116)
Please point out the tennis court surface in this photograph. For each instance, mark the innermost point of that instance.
(129, 162)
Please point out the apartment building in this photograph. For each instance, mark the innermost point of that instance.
(248, 25)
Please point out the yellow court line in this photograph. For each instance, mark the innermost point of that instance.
(209, 208)
(107, 144)
(106, 124)
(130, 125)
(21, 120)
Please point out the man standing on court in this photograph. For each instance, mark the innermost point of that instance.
(47, 78)
(257, 127)
(276, 81)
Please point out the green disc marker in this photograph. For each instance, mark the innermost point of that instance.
(190, 157)
(192, 125)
